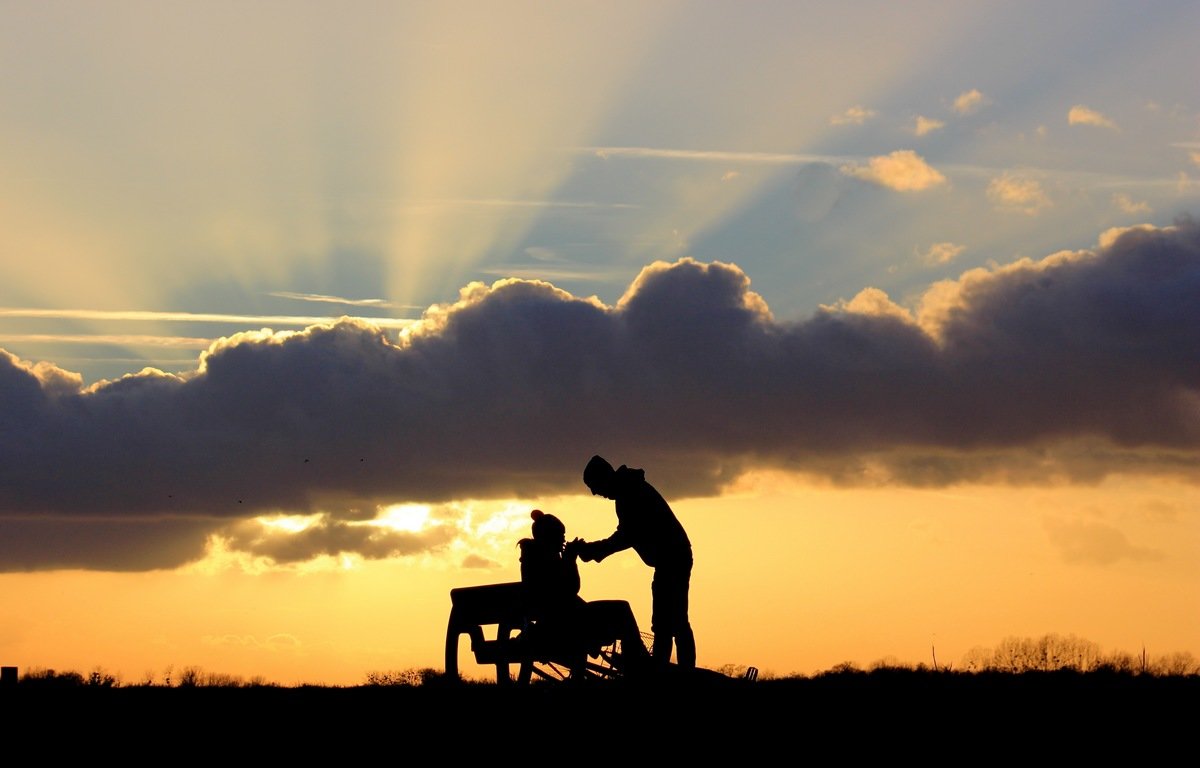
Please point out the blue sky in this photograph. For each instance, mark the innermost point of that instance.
(223, 159)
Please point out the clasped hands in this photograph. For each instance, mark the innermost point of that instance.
(579, 548)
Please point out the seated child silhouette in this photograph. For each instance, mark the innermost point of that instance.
(550, 574)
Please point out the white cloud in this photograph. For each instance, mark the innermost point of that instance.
(926, 125)
(1128, 205)
(1112, 234)
(1195, 157)
(902, 170)
(856, 115)
(730, 175)
(872, 302)
(1081, 115)
(723, 156)
(188, 317)
(325, 299)
(123, 340)
(969, 101)
(1016, 193)
(942, 253)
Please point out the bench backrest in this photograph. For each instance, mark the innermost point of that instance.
(489, 603)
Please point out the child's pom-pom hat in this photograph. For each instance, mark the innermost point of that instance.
(546, 525)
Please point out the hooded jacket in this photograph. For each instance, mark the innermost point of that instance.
(645, 523)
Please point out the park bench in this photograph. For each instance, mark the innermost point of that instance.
(496, 620)
(501, 633)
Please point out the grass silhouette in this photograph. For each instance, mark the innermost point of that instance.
(844, 714)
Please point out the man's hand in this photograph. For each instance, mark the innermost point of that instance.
(584, 549)
(572, 549)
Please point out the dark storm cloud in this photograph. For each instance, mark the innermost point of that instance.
(1068, 368)
(49, 543)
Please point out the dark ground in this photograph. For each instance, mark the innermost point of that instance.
(850, 717)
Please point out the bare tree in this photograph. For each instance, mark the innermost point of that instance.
(1047, 653)
(1181, 663)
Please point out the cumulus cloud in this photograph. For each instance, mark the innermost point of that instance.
(903, 170)
(1126, 204)
(1067, 368)
(1112, 234)
(1016, 193)
(856, 115)
(969, 101)
(926, 125)
(872, 302)
(942, 253)
(1081, 115)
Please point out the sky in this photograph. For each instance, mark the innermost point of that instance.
(303, 310)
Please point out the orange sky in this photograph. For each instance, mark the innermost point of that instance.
(788, 578)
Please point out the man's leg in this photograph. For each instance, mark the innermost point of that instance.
(685, 641)
(669, 620)
(685, 646)
(660, 617)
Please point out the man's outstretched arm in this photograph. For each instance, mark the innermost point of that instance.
(595, 551)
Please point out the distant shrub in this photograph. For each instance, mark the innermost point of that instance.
(49, 678)
(222, 680)
(405, 677)
(258, 681)
(845, 668)
(1121, 663)
(99, 678)
(887, 663)
(733, 670)
(190, 677)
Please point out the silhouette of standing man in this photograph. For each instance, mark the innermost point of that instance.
(646, 523)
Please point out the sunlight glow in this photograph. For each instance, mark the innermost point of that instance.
(289, 523)
(443, 152)
(403, 517)
(220, 557)
(501, 524)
